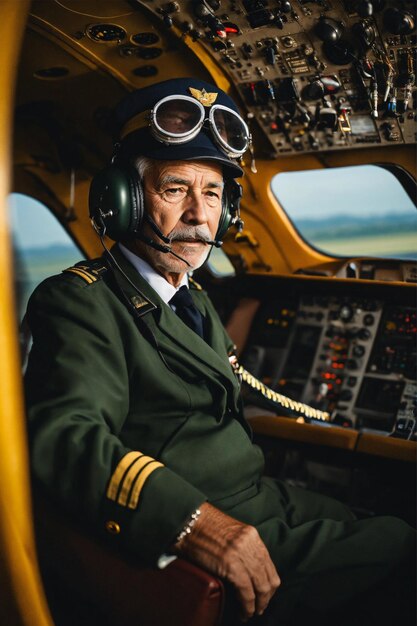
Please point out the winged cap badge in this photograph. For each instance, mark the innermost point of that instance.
(203, 96)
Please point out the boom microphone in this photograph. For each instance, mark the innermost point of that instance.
(161, 248)
(156, 230)
(158, 246)
(167, 248)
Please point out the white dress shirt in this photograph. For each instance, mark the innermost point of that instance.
(163, 288)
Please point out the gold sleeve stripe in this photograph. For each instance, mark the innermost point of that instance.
(118, 474)
(138, 486)
(130, 476)
(84, 275)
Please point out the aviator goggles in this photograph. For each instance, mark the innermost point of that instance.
(178, 119)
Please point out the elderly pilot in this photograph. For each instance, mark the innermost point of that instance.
(135, 421)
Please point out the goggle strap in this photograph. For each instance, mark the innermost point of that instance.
(140, 120)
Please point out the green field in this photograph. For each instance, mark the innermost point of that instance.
(402, 245)
(36, 265)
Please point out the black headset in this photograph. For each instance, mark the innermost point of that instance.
(117, 208)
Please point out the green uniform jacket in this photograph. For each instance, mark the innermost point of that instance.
(130, 437)
(132, 430)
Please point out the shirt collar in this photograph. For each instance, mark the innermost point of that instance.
(163, 288)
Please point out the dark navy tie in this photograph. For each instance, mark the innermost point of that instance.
(187, 310)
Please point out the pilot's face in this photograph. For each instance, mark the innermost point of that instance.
(184, 200)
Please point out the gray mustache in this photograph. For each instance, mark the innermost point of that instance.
(200, 233)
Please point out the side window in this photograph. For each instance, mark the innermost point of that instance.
(350, 211)
(41, 246)
(219, 264)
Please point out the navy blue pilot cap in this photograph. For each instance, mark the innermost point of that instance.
(136, 141)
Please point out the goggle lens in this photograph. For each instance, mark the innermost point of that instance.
(178, 117)
(230, 129)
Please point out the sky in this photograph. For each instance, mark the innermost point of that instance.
(33, 225)
(361, 191)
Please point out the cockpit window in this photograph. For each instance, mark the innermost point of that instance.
(219, 264)
(350, 211)
(41, 245)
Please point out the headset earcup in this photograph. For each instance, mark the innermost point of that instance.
(230, 207)
(116, 202)
(137, 200)
(225, 218)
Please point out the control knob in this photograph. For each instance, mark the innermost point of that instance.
(365, 8)
(340, 52)
(399, 21)
(365, 33)
(284, 6)
(346, 395)
(369, 319)
(328, 29)
(364, 334)
(172, 7)
(351, 364)
(378, 5)
(346, 312)
(358, 350)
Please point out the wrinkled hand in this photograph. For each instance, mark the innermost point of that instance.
(233, 551)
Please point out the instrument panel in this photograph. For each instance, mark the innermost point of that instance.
(350, 354)
(313, 74)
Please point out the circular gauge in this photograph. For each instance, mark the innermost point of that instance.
(148, 53)
(51, 73)
(145, 71)
(145, 39)
(103, 33)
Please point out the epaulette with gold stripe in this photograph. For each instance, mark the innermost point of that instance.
(129, 477)
(194, 284)
(89, 271)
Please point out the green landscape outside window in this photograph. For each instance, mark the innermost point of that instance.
(41, 245)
